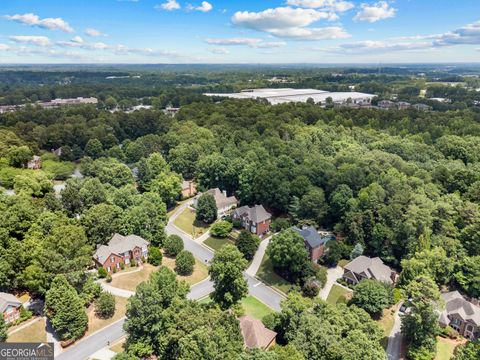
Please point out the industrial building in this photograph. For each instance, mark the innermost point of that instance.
(285, 95)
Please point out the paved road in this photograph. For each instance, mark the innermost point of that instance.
(395, 340)
(86, 347)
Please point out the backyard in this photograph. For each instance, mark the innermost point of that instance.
(95, 323)
(445, 348)
(266, 273)
(33, 332)
(338, 294)
(187, 223)
(216, 243)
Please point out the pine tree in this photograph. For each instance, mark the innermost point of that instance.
(3, 330)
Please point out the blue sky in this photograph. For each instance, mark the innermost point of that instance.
(229, 31)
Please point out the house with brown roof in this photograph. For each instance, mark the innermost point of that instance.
(121, 249)
(254, 219)
(224, 203)
(255, 334)
(189, 189)
(35, 163)
(461, 315)
(364, 267)
(9, 307)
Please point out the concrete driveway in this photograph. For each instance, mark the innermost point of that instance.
(333, 274)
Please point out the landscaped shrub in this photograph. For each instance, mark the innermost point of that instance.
(237, 224)
(247, 243)
(280, 224)
(102, 273)
(184, 263)
(155, 256)
(122, 266)
(311, 288)
(108, 278)
(221, 229)
(133, 263)
(115, 270)
(320, 274)
(105, 305)
(173, 245)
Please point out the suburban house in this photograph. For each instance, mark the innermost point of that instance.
(421, 107)
(119, 250)
(189, 189)
(402, 105)
(35, 163)
(9, 307)
(224, 202)
(461, 315)
(314, 241)
(255, 334)
(364, 267)
(254, 219)
(386, 104)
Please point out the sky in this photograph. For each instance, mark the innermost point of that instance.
(246, 31)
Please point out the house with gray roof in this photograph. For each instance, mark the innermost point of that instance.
(255, 334)
(314, 241)
(461, 315)
(121, 249)
(224, 203)
(9, 307)
(364, 267)
(255, 219)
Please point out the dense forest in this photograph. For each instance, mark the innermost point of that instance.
(404, 185)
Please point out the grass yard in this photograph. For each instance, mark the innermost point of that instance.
(251, 306)
(118, 346)
(95, 323)
(338, 294)
(445, 348)
(35, 332)
(343, 262)
(130, 280)
(187, 223)
(200, 271)
(386, 323)
(216, 243)
(266, 273)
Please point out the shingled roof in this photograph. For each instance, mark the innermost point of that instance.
(311, 236)
(256, 214)
(7, 299)
(455, 303)
(119, 244)
(372, 268)
(255, 334)
(220, 199)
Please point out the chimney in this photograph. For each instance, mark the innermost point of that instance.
(224, 192)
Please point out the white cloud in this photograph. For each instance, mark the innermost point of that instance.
(77, 40)
(205, 6)
(370, 46)
(47, 23)
(169, 5)
(93, 32)
(466, 35)
(4, 47)
(325, 33)
(250, 42)
(219, 51)
(34, 40)
(375, 12)
(332, 5)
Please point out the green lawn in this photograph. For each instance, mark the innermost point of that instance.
(386, 323)
(187, 223)
(34, 332)
(266, 273)
(338, 294)
(445, 349)
(216, 243)
(251, 306)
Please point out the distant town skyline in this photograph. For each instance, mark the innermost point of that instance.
(221, 31)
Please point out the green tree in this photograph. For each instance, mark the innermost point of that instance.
(110, 103)
(18, 156)
(149, 168)
(3, 330)
(101, 222)
(468, 351)
(226, 272)
(94, 148)
(357, 251)
(221, 229)
(105, 305)
(173, 245)
(314, 206)
(289, 255)
(206, 210)
(155, 256)
(92, 192)
(184, 263)
(248, 244)
(467, 275)
(65, 310)
(336, 251)
(37, 184)
(372, 296)
(168, 186)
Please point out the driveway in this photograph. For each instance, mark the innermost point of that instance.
(333, 274)
(257, 259)
(395, 340)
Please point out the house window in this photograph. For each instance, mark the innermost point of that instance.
(109, 269)
(112, 259)
(118, 265)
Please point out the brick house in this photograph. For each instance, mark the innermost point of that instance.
(461, 315)
(364, 267)
(314, 242)
(254, 219)
(9, 307)
(120, 250)
(189, 189)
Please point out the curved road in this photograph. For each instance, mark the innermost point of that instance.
(112, 333)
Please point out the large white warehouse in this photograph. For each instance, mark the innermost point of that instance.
(279, 96)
